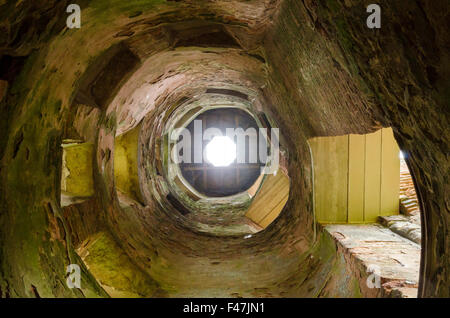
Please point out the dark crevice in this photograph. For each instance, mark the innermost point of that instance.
(11, 66)
(227, 92)
(35, 291)
(17, 142)
(201, 34)
(102, 79)
(177, 204)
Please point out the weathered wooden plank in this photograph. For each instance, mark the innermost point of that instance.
(390, 174)
(356, 177)
(372, 182)
(356, 160)
(268, 219)
(269, 200)
(330, 178)
(269, 195)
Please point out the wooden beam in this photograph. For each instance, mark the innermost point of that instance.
(193, 167)
(330, 178)
(390, 174)
(356, 160)
(372, 175)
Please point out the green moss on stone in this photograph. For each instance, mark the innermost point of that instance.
(114, 269)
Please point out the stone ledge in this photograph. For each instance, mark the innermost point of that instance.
(373, 246)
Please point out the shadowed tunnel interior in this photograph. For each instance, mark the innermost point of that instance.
(86, 121)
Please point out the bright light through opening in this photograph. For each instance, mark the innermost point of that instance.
(221, 151)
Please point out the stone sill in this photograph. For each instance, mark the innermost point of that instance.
(369, 246)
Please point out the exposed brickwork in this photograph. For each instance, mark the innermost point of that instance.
(409, 203)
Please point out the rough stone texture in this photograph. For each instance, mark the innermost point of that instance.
(76, 172)
(409, 204)
(402, 226)
(312, 66)
(3, 89)
(374, 249)
(114, 270)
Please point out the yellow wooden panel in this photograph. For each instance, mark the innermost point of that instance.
(330, 156)
(265, 209)
(271, 193)
(269, 200)
(356, 159)
(390, 173)
(356, 177)
(274, 213)
(372, 182)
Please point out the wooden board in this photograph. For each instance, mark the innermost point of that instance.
(390, 167)
(356, 177)
(372, 175)
(269, 218)
(269, 200)
(330, 171)
(356, 160)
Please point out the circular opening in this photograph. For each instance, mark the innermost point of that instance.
(220, 152)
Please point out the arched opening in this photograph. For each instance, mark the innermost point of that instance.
(365, 199)
(219, 128)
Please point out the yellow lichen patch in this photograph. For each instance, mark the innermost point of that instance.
(126, 163)
(77, 177)
(113, 268)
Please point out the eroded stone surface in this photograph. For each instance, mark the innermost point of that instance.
(403, 226)
(409, 204)
(395, 259)
(3, 89)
